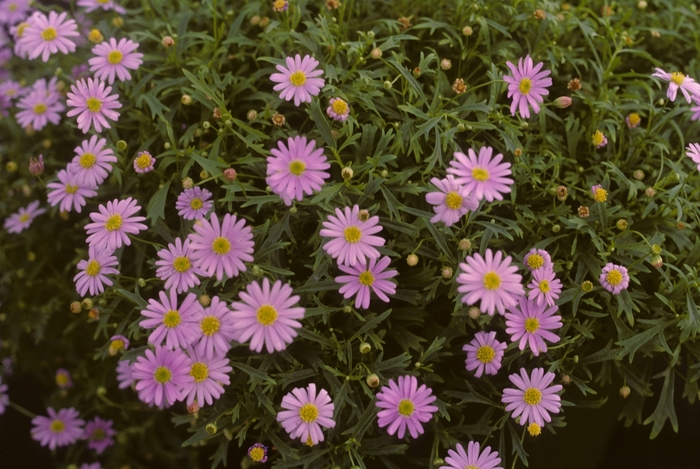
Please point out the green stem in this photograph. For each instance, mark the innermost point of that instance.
(22, 410)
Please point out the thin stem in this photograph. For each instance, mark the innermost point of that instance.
(22, 410)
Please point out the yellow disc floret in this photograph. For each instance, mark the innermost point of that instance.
(366, 278)
(297, 78)
(308, 412)
(40, 108)
(339, 106)
(114, 222)
(115, 57)
(210, 325)
(532, 325)
(88, 160)
(544, 286)
(57, 426)
(182, 264)
(532, 396)
(297, 167)
(266, 315)
(221, 246)
(525, 85)
(352, 234)
(406, 407)
(678, 78)
(162, 375)
(453, 200)
(199, 372)
(49, 34)
(485, 354)
(171, 319)
(492, 280)
(614, 277)
(93, 104)
(480, 174)
(92, 268)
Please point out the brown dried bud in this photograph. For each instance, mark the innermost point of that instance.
(574, 85)
(230, 174)
(264, 22)
(518, 152)
(583, 212)
(416, 72)
(404, 22)
(459, 86)
(625, 391)
(562, 193)
(540, 14)
(216, 113)
(474, 312)
(278, 119)
(194, 407)
(446, 272)
(566, 380)
(650, 192)
(76, 307)
(363, 215)
(412, 260)
(95, 36)
(332, 4)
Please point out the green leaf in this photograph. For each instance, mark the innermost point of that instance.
(321, 123)
(664, 409)
(156, 206)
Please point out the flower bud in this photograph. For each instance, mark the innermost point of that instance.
(587, 286)
(583, 212)
(363, 215)
(556, 228)
(255, 20)
(370, 34)
(186, 100)
(11, 166)
(417, 72)
(347, 173)
(230, 174)
(642, 4)
(264, 21)
(446, 272)
(194, 407)
(465, 244)
(168, 42)
(365, 348)
(36, 166)
(534, 430)
(657, 261)
(539, 14)
(252, 115)
(388, 85)
(680, 225)
(187, 183)
(211, 428)
(121, 145)
(257, 271)
(76, 307)
(656, 249)
(376, 53)
(86, 303)
(203, 174)
(650, 192)
(562, 193)
(205, 124)
(562, 102)
(467, 31)
(621, 224)
(141, 282)
(445, 64)
(384, 173)
(566, 380)
(347, 309)
(278, 119)
(372, 380)
(204, 300)
(292, 210)
(625, 391)
(638, 175)
(118, 22)
(474, 312)
(95, 36)
(412, 260)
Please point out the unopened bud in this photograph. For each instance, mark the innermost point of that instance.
(625, 391)
(230, 174)
(121, 145)
(292, 210)
(562, 193)
(621, 224)
(474, 312)
(203, 174)
(445, 64)
(95, 36)
(376, 53)
(650, 192)
(252, 115)
(446, 272)
(36, 166)
(194, 407)
(211, 428)
(118, 22)
(365, 348)
(363, 215)
(412, 260)
(563, 102)
(465, 244)
(566, 380)
(255, 20)
(372, 380)
(417, 72)
(680, 225)
(387, 85)
(556, 228)
(204, 299)
(347, 173)
(76, 307)
(168, 42)
(87, 303)
(657, 261)
(11, 166)
(187, 183)
(277, 119)
(638, 175)
(264, 21)
(656, 249)
(257, 271)
(141, 282)
(467, 31)
(187, 100)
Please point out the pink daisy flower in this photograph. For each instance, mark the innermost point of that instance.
(452, 201)
(63, 379)
(68, 192)
(222, 248)
(144, 162)
(175, 267)
(614, 278)
(305, 412)
(537, 259)
(125, 376)
(338, 109)
(267, 316)
(40, 106)
(115, 58)
(366, 278)
(693, 152)
(177, 325)
(48, 35)
(534, 398)
(545, 287)
(209, 377)
(117, 343)
(20, 221)
(531, 323)
(484, 177)
(298, 79)
(161, 377)
(633, 120)
(405, 405)
(99, 434)
(473, 458)
(93, 272)
(218, 329)
(695, 109)
(484, 354)
(93, 104)
(60, 428)
(492, 280)
(258, 452)
(194, 203)
(297, 169)
(112, 224)
(17, 33)
(4, 398)
(353, 239)
(527, 86)
(106, 5)
(92, 162)
(14, 11)
(12, 89)
(677, 80)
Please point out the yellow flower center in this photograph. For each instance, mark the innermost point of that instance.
(266, 315)
(453, 200)
(103, 2)
(162, 375)
(117, 344)
(614, 277)
(93, 104)
(308, 412)
(471, 467)
(339, 107)
(366, 278)
(257, 454)
(534, 430)
(678, 78)
(93, 268)
(480, 174)
(171, 319)
(49, 34)
(24, 217)
(535, 261)
(95, 36)
(98, 435)
(279, 4)
(485, 354)
(525, 85)
(182, 264)
(12, 7)
(297, 167)
(199, 372)
(601, 195)
(634, 118)
(406, 407)
(532, 324)
(40, 108)
(10, 92)
(492, 280)
(221, 246)
(62, 379)
(297, 78)
(144, 161)
(20, 29)
(114, 222)
(57, 426)
(210, 325)
(115, 57)
(597, 138)
(196, 203)
(88, 160)
(532, 396)
(352, 234)
(71, 189)
(544, 286)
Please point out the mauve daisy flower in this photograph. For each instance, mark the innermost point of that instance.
(534, 398)
(452, 201)
(473, 458)
(296, 169)
(305, 412)
(68, 192)
(484, 177)
(693, 152)
(210, 374)
(222, 248)
(4, 398)
(14, 11)
(258, 452)
(633, 120)
(117, 343)
(99, 433)
(366, 278)
(545, 287)
(93, 104)
(60, 428)
(217, 327)
(40, 106)
(614, 278)
(677, 80)
(92, 162)
(143, 163)
(696, 108)
(106, 5)
(527, 86)
(599, 194)
(17, 33)
(280, 5)
(405, 405)
(175, 267)
(115, 58)
(93, 272)
(353, 239)
(599, 139)
(162, 376)
(338, 109)
(484, 354)
(12, 89)
(112, 224)
(537, 259)
(125, 376)
(20, 221)
(47, 35)
(267, 316)
(177, 325)
(531, 323)
(298, 79)
(492, 280)
(63, 379)
(194, 203)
